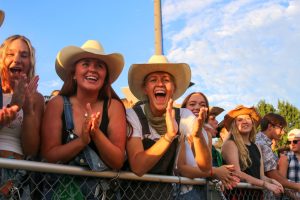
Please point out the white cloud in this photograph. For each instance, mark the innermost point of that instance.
(239, 51)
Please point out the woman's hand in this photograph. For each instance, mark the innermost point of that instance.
(198, 125)
(172, 126)
(225, 173)
(272, 187)
(18, 96)
(30, 90)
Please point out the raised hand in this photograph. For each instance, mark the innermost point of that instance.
(18, 96)
(198, 125)
(86, 127)
(172, 126)
(30, 90)
(7, 115)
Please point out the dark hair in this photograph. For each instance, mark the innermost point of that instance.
(272, 118)
(187, 98)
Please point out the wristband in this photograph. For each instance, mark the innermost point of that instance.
(167, 138)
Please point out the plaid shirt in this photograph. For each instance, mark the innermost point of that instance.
(269, 157)
(294, 167)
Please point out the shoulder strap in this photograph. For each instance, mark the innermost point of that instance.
(105, 120)
(68, 113)
(142, 117)
(177, 117)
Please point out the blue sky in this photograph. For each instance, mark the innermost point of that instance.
(239, 51)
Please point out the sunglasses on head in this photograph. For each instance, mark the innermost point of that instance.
(293, 141)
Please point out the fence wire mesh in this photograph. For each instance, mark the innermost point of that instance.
(34, 185)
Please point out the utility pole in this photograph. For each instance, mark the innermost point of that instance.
(158, 28)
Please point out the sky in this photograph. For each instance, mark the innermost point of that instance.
(239, 51)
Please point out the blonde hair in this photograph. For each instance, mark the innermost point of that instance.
(244, 157)
(4, 69)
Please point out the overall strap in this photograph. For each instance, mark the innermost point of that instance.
(105, 120)
(68, 113)
(177, 118)
(143, 120)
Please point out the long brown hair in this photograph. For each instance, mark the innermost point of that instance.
(244, 157)
(187, 98)
(6, 87)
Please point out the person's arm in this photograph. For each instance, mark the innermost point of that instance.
(141, 160)
(274, 174)
(112, 148)
(283, 165)
(202, 149)
(52, 148)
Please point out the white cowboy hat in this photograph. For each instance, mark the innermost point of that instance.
(2, 15)
(68, 56)
(158, 63)
(294, 133)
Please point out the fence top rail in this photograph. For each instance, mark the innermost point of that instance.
(74, 170)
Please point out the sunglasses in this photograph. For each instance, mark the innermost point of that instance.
(294, 142)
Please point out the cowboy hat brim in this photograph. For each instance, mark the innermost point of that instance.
(2, 15)
(69, 55)
(241, 110)
(214, 110)
(138, 72)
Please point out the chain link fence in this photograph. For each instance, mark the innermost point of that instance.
(37, 180)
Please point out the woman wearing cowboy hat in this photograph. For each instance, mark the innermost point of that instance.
(85, 124)
(151, 148)
(241, 151)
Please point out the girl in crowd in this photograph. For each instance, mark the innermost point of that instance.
(85, 124)
(241, 151)
(20, 131)
(153, 140)
(196, 102)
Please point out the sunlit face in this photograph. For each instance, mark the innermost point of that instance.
(295, 145)
(17, 59)
(159, 88)
(244, 123)
(195, 102)
(90, 73)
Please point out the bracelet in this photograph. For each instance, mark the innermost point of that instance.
(165, 137)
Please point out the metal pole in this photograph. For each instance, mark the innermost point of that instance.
(158, 28)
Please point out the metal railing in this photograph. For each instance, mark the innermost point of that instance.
(39, 180)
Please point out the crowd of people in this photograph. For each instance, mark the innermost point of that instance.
(86, 124)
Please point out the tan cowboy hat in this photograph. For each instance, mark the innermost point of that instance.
(294, 134)
(158, 63)
(69, 55)
(215, 110)
(241, 110)
(2, 15)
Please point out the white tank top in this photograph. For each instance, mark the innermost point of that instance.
(10, 135)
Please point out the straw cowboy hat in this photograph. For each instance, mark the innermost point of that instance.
(158, 63)
(2, 15)
(241, 110)
(293, 134)
(215, 110)
(69, 55)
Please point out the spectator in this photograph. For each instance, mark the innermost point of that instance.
(272, 128)
(24, 106)
(241, 151)
(197, 102)
(154, 150)
(85, 125)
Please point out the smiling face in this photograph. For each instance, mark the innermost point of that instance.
(90, 74)
(17, 60)
(244, 123)
(159, 88)
(195, 102)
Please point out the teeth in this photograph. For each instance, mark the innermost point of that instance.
(91, 78)
(15, 69)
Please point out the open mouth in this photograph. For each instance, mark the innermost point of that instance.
(15, 70)
(91, 78)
